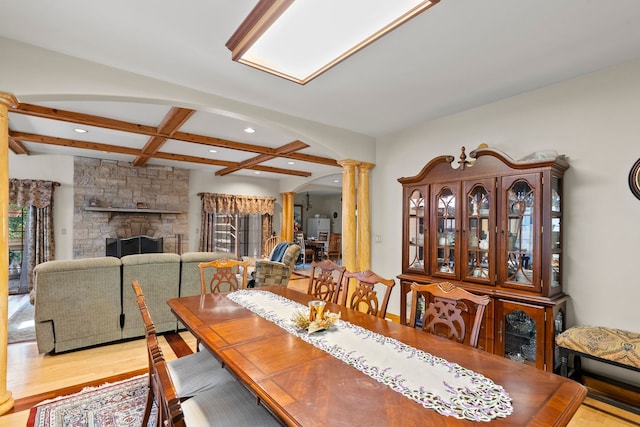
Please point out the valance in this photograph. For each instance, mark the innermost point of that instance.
(233, 204)
(31, 192)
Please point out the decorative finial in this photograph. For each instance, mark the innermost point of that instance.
(463, 159)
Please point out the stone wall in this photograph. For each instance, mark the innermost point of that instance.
(113, 184)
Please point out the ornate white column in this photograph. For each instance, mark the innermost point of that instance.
(6, 101)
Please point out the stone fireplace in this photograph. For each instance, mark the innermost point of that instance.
(115, 200)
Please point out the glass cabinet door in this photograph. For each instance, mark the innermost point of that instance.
(445, 217)
(520, 332)
(478, 236)
(416, 230)
(555, 276)
(520, 233)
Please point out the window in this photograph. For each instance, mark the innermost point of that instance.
(238, 234)
(17, 227)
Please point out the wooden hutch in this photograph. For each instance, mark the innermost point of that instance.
(493, 226)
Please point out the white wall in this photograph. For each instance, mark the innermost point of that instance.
(323, 205)
(594, 121)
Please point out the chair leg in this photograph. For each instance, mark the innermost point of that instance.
(147, 407)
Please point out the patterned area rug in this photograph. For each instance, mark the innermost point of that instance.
(118, 404)
(21, 325)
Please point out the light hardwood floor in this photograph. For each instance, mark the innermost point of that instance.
(32, 377)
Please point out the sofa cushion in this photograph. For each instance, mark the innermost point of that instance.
(159, 278)
(610, 344)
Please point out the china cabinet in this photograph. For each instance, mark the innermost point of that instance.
(492, 225)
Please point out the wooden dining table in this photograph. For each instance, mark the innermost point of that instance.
(303, 385)
(318, 247)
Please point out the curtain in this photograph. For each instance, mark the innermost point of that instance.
(230, 204)
(39, 245)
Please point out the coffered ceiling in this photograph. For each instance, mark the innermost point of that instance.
(160, 135)
(458, 55)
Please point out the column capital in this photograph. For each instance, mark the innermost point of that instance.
(366, 166)
(288, 193)
(8, 99)
(348, 163)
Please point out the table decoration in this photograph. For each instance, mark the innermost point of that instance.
(302, 320)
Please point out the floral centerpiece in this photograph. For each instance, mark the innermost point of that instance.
(301, 319)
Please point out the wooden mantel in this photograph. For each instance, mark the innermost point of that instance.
(140, 211)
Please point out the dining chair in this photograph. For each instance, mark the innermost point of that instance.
(221, 275)
(448, 311)
(192, 374)
(364, 296)
(334, 251)
(323, 236)
(269, 244)
(307, 253)
(326, 280)
(228, 405)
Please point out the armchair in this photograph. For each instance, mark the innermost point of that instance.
(277, 273)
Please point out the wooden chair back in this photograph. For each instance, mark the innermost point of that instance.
(448, 311)
(154, 353)
(326, 281)
(269, 244)
(306, 253)
(364, 296)
(334, 250)
(220, 275)
(169, 409)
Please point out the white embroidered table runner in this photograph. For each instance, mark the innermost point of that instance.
(435, 383)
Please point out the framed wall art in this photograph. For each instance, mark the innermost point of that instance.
(634, 179)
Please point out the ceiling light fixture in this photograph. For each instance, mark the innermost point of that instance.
(79, 130)
(299, 40)
(249, 130)
(213, 151)
(308, 206)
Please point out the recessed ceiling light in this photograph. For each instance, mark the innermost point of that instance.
(79, 130)
(256, 172)
(336, 180)
(249, 130)
(291, 162)
(213, 151)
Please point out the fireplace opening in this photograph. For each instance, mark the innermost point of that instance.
(119, 247)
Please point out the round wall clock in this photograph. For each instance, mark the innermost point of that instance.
(634, 179)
